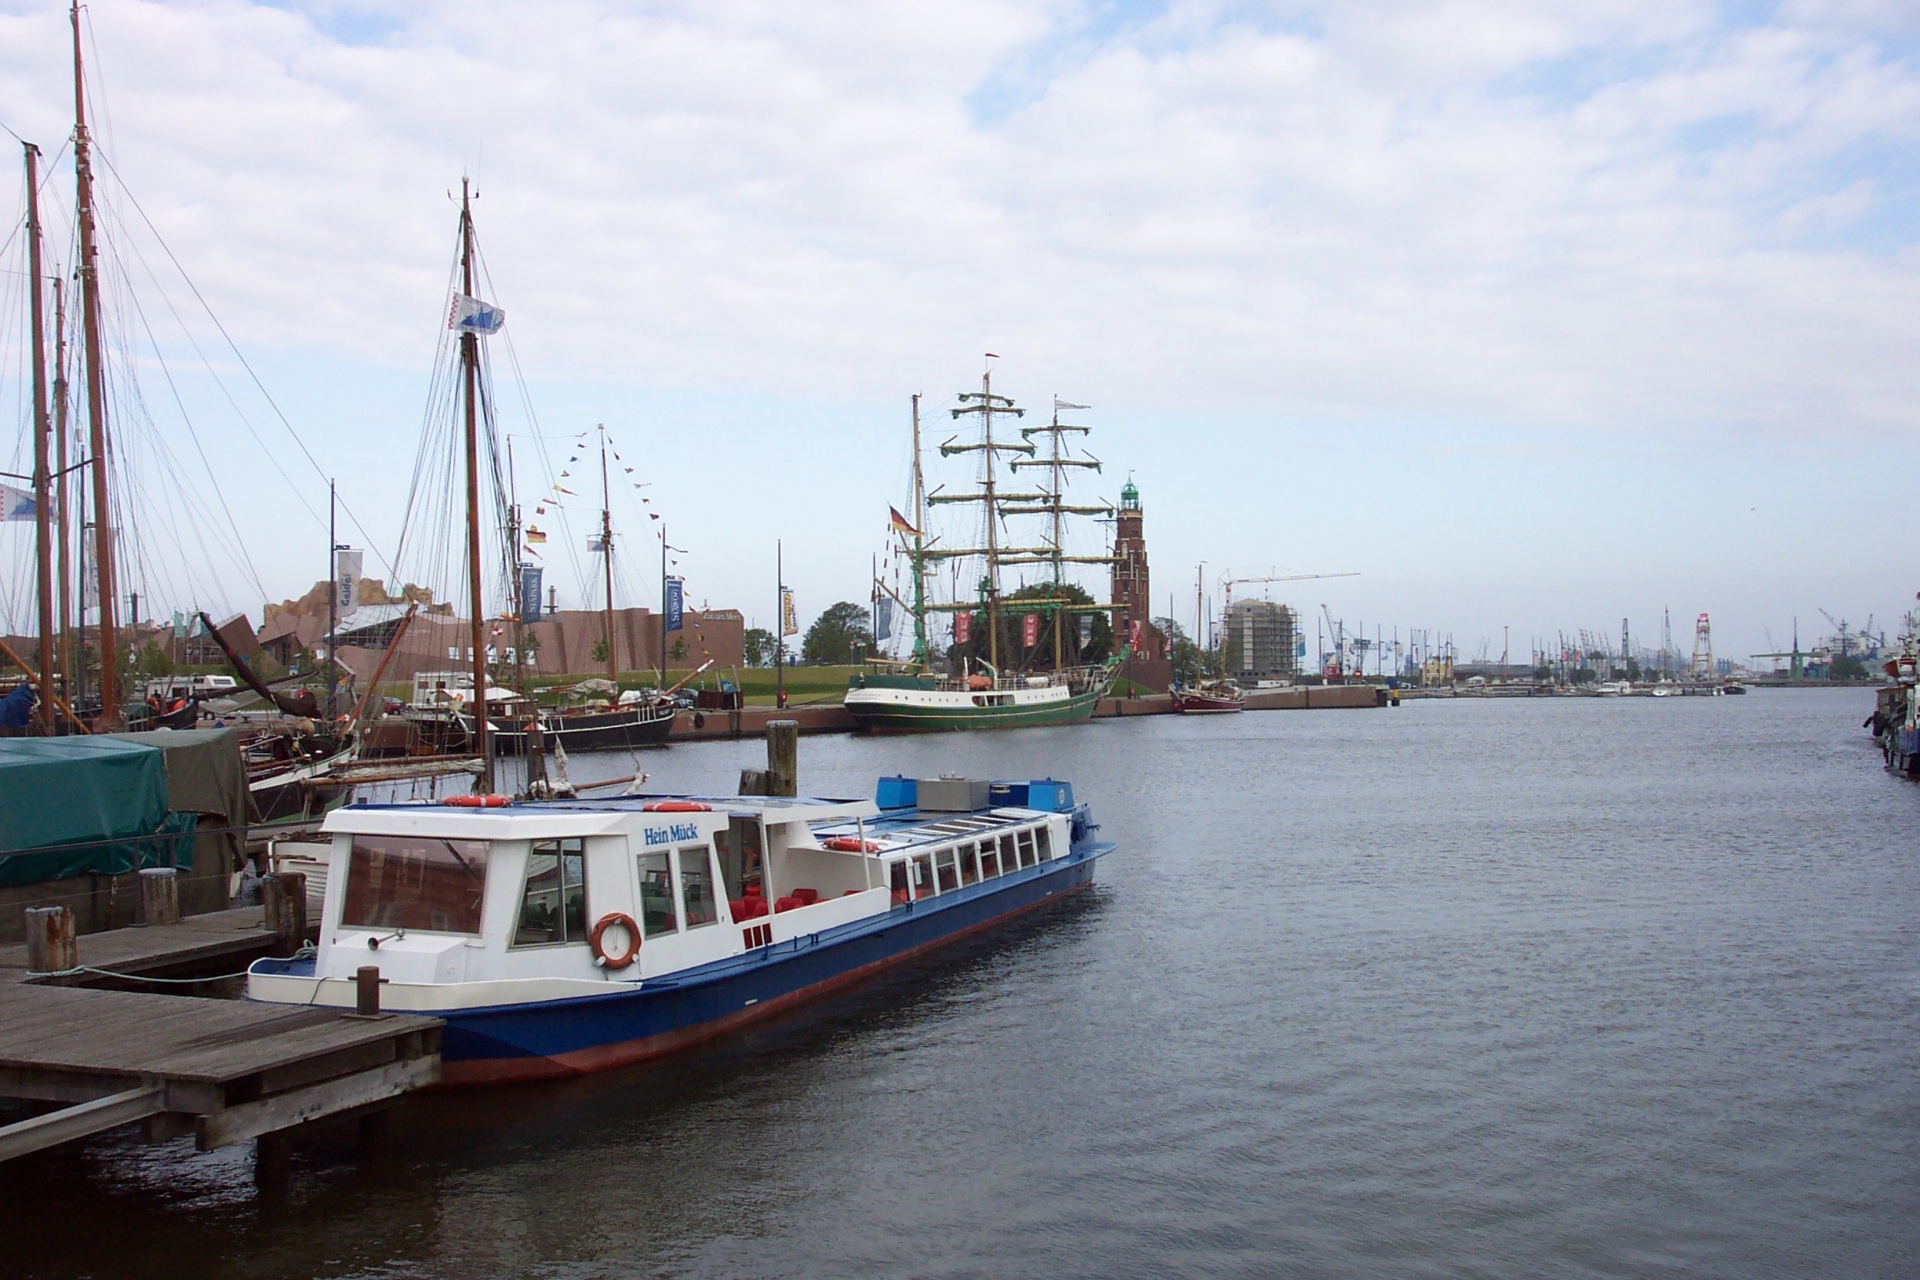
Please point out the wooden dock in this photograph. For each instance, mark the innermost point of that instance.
(197, 946)
(222, 1070)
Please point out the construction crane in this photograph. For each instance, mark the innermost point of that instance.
(1227, 584)
(1334, 668)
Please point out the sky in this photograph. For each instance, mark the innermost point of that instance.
(1533, 317)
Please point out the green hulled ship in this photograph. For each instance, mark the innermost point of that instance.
(982, 694)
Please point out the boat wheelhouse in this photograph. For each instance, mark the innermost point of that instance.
(564, 936)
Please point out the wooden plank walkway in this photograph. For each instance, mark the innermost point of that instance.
(217, 942)
(224, 1070)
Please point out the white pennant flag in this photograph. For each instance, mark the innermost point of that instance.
(17, 504)
(470, 315)
(1059, 404)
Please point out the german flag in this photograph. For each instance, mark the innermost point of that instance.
(898, 523)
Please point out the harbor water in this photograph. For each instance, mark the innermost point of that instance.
(1570, 987)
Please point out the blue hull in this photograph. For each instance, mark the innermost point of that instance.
(505, 1043)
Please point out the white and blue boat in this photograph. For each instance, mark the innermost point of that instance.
(559, 937)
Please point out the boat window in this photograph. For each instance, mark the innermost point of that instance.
(740, 857)
(945, 870)
(696, 887)
(989, 859)
(969, 865)
(553, 905)
(1009, 855)
(1026, 848)
(1046, 844)
(656, 895)
(897, 878)
(415, 882)
(923, 876)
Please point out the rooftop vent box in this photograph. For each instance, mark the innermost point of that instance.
(895, 793)
(952, 795)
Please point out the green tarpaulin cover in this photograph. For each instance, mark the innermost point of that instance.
(78, 792)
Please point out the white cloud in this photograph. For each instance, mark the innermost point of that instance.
(1630, 218)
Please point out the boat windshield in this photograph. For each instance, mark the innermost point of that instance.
(415, 882)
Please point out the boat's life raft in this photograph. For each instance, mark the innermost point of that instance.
(477, 802)
(597, 940)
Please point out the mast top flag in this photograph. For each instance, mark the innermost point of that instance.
(471, 315)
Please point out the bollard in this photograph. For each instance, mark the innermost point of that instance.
(51, 944)
(366, 991)
(159, 896)
(753, 782)
(783, 757)
(285, 895)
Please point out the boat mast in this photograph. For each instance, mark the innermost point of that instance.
(66, 661)
(110, 715)
(606, 551)
(333, 602)
(993, 550)
(42, 495)
(470, 374)
(920, 652)
(516, 588)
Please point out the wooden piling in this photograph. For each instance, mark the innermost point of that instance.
(52, 946)
(783, 757)
(366, 991)
(285, 896)
(159, 896)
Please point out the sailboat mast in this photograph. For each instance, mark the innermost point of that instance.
(606, 552)
(517, 587)
(42, 495)
(470, 375)
(67, 662)
(920, 651)
(993, 551)
(110, 714)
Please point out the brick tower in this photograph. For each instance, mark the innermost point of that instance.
(1131, 586)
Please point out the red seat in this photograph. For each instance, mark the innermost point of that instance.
(807, 896)
(786, 904)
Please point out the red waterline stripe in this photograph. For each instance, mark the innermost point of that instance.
(479, 1071)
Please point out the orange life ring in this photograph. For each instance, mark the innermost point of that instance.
(625, 958)
(676, 806)
(477, 802)
(849, 844)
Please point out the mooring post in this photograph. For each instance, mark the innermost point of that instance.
(52, 946)
(285, 896)
(783, 757)
(366, 990)
(159, 896)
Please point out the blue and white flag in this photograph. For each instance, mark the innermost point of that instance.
(676, 609)
(883, 619)
(470, 315)
(596, 546)
(17, 504)
(530, 603)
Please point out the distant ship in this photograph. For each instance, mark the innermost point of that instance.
(983, 693)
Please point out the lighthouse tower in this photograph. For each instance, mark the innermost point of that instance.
(1132, 589)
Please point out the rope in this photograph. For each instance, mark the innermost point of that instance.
(306, 952)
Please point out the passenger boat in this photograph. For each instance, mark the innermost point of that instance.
(1210, 697)
(560, 937)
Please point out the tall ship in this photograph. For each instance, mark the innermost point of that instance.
(1016, 659)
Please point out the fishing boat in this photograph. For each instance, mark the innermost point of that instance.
(1013, 685)
(560, 937)
(1209, 697)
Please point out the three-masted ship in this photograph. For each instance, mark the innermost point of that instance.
(1011, 685)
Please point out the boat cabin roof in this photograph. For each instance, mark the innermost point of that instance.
(897, 831)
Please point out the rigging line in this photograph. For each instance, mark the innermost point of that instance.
(193, 434)
(122, 296)
(217, 380)
(239, 355)
(427, 427)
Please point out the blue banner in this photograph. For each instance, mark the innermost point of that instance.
(675, 607)
(530, 593)
(883, 620)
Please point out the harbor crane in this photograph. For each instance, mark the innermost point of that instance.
(1227, 584)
